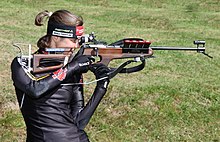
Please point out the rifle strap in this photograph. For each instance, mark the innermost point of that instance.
(122, 69)
(115, 71)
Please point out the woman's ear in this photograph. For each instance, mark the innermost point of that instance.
(54, 41)
(55, 38)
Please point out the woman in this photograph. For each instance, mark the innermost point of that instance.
(54, 112)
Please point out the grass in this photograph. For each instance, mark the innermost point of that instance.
(175, 98)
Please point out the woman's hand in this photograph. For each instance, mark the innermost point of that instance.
(100, 71)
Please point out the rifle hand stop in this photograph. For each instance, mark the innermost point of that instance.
(201, 47)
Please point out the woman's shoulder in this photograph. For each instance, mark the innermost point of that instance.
(15, 61)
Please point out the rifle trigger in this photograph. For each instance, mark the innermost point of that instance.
(96, 51)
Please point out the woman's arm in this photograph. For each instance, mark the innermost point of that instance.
(84, 115)
(29, 84)
(77, 101)
(36, 87)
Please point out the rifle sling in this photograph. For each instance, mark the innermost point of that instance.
(122, 69)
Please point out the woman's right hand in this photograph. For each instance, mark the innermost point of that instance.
(80, 64)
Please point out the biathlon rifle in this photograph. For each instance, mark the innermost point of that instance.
(135, 49)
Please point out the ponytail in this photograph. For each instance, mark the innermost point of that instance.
(44, 41)
(39, 19)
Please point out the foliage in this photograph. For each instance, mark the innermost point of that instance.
(175, 98)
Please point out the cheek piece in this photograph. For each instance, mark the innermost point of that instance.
(65, 31)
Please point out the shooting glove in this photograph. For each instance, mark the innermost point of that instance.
(78, 65)
(100, 71)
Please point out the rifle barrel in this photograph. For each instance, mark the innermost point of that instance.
(198, 49)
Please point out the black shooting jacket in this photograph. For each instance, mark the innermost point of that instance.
(53, 112)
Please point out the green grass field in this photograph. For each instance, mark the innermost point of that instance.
(175, 98)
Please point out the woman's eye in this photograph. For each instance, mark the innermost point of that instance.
(73, 40)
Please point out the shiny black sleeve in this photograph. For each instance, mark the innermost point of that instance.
(77, 101)
(83, 116)
(30, 86)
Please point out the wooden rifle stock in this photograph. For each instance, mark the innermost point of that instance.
(41, 62)
(53, 60)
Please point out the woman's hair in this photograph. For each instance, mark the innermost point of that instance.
(58, 17)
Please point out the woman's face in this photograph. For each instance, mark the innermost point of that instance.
(67, 43)
(59, 42)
